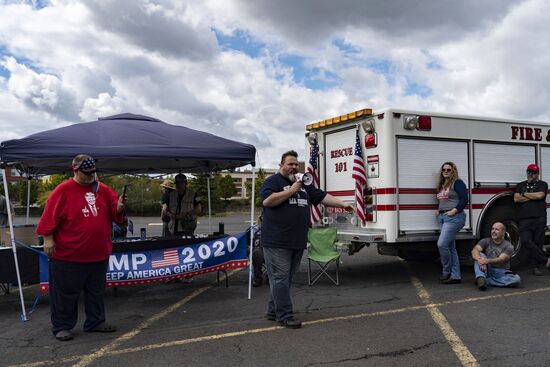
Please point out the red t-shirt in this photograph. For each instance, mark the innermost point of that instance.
(80, 221)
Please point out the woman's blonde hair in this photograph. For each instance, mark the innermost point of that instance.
(445, 183)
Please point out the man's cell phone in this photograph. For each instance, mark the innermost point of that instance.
(125, 190)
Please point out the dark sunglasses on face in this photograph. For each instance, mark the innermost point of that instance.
(88, 173)
(446, 170)
(531, 172)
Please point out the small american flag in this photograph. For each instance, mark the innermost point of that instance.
(169, 257)
(360, 177)
(315, 210)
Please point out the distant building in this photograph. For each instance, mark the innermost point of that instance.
(241, 177)
(13, 176)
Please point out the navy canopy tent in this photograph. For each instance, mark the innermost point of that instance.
(126, 143)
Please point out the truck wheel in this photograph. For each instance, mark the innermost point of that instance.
(507, 215)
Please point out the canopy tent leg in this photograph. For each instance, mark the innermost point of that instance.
(252, 203)
(14, 249)
(209, 205)
(28, 198)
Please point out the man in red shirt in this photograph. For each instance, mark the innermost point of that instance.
(76, 226)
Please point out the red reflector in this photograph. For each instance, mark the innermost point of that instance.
(371, 140)
(424, 123)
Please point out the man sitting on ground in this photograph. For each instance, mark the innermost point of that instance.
(492, 260)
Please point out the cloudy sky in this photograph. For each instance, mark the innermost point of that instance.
(259, 71)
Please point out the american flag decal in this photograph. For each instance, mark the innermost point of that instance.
(359, 174)
(315, 210)
(169, 258)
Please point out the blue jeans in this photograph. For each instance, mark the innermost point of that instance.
(446, 243)
(497, 277)
(281, 265)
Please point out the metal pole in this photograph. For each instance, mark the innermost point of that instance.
(28, 198)
(209, 205)
(252, 203)
(12, 236)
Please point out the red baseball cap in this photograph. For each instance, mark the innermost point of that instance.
(533, 167)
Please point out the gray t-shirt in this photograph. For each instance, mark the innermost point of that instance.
(493, 250)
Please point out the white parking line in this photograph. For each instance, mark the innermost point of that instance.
(460, 349)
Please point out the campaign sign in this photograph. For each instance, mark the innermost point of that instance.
(126, 268)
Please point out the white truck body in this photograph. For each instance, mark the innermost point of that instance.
(403, 169)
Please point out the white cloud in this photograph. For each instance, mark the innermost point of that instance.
(76, 60)
(43, 92)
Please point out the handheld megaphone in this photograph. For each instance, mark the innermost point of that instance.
(305, 178)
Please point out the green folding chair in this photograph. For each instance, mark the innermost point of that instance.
(322, 251)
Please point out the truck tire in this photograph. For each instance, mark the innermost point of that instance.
(507, 215)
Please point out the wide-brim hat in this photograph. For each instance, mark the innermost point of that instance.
(168, 184)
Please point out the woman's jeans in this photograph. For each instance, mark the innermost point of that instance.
(446, 243)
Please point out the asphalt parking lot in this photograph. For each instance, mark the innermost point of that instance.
(386, 312)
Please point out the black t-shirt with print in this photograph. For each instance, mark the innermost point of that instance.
(285, 225)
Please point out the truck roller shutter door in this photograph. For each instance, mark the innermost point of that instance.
(418, 166)
(498, 164)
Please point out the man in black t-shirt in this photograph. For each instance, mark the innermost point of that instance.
(530, 196)
(284, 232)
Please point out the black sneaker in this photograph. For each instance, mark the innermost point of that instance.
(64, 335)
(451, 281)
(444, 277)
(537, 272)
(291, 323)
(482, 283)
(270, 317)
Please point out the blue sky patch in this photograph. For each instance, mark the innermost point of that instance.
(420, 90)
(310, 77)
(346, 48)
(240, 41)
(20, 60)
(38, 4)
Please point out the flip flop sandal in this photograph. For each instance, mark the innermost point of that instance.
(64, 335)
(103, 328)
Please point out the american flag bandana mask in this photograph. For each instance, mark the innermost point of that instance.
(85, 165)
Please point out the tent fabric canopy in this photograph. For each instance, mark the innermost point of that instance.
(126, 143)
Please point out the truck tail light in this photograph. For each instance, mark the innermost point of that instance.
(411, 122)
(371, 140)
(424, 123)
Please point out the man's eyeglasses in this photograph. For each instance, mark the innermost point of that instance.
(531, 172)
(446, 170)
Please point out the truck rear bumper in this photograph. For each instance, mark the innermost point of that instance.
(366, 237)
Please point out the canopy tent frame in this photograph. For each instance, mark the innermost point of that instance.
(148, 146)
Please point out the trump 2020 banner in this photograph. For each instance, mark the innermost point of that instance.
(126, 268)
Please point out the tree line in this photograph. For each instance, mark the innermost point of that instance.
(144, 192)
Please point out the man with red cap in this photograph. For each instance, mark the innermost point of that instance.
(76, 226)
(530, 196)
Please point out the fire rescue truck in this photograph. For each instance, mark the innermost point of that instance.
(403, 152)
